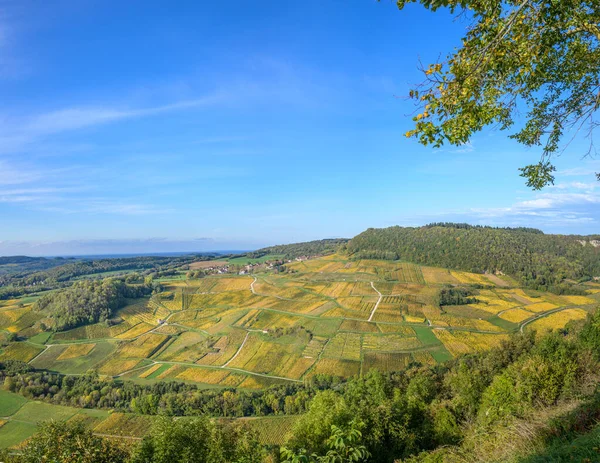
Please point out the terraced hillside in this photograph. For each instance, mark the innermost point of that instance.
(327, 315)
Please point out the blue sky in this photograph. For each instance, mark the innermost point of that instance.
(146, 126)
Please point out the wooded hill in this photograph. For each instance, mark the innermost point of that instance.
(309, 248)
(537, 260)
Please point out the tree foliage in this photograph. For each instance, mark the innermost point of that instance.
(534, 55)
(535, 259)
(62, 442)
(88, 302)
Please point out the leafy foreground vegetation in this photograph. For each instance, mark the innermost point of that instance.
(535, 259)
(542, 390)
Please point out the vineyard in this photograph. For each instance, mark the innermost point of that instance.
(326, 315)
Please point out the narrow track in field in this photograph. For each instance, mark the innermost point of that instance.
(377, 303)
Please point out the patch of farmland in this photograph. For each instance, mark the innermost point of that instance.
(10, 402)
(293, 367)
(152, 369)
(344, 346)
(36, 412)
(96, 331)
(359, 326)
(208, 264)
(578, 300)
(260, 382)
(520, 296)
(435, 276)
(265, 357)
(168, 372)
(10, 315)
(116, 366)
(187, 347)
(501, 282)
(455, 346)
(516, 315)
(479, 341)
(467, 311)
(409, 273)
(385, 361)
(337, 289)
(49, 359)
(266, 320)
(462, 322)
(390, 315)
(225, 348)
(203, 375)
(135, 331)
(125, 424)
(169, 330)
(424, 357)
(22, 351)
(76, 350)
(390, 342)
(541, 307)
(336, 367)
(408, 318)
(15, 432)
(303, 306)
(404, 330)
(362, 304)
(471, 278)
(556, 320)
(142, 347)
(314, 347)
(240, 283)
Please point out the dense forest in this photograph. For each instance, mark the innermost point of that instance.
(88, 301)
(537, 260)
(453, 412)
(310, 248)
(25, 276)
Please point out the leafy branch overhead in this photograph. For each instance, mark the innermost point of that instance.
(541, 57)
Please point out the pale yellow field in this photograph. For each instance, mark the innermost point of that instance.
(578, 300)
(557, 320)
(137, 330)
(516, 315)
(76, 350)
(203, 375)
(541, 307)
(117, 366)
(452, 344)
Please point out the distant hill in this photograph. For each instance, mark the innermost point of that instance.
(538, 260)
(309, 248)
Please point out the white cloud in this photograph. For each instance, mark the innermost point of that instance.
(17, 134)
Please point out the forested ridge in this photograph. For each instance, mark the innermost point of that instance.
(309, 248)
(32, 275)
(535, 259)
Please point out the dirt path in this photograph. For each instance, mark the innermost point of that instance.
(377, 304)
(46, 348)
(238, 351)
(252, 286)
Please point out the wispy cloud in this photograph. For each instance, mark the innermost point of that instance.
(17, 134)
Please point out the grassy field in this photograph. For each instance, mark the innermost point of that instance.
(326, 315)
